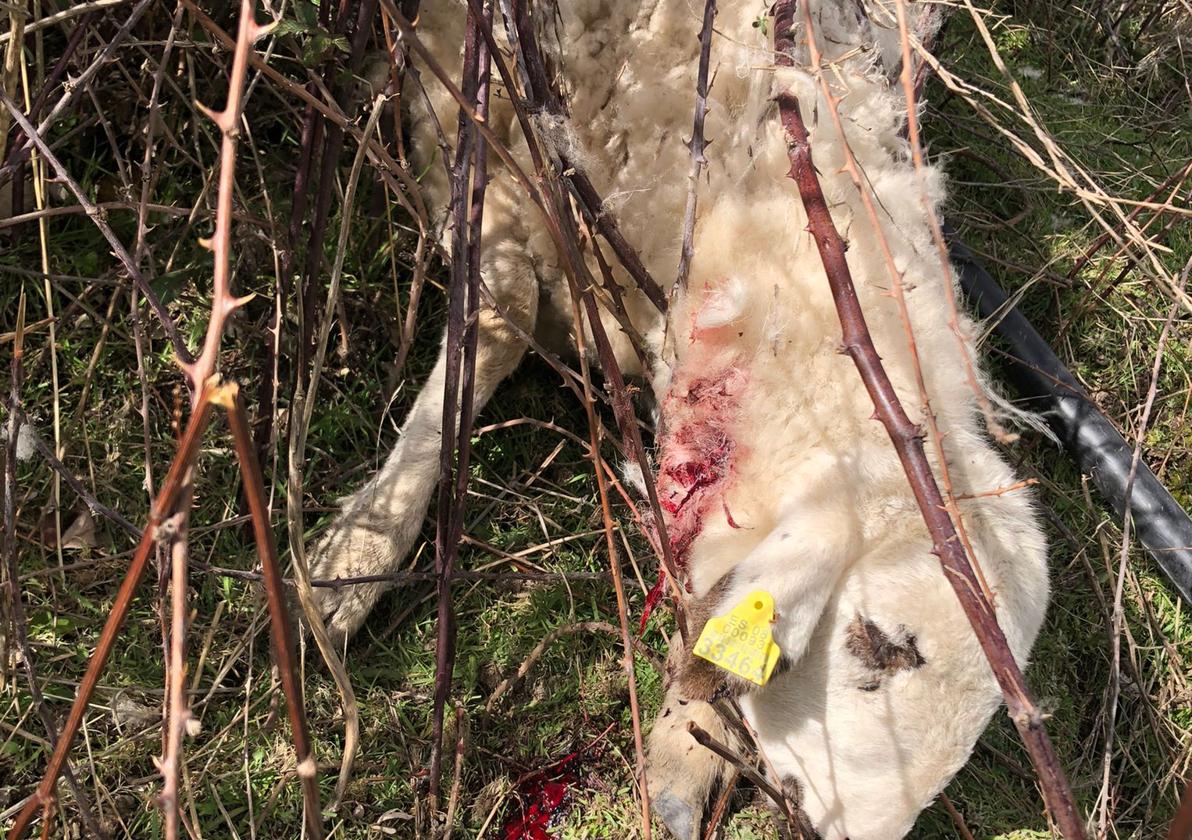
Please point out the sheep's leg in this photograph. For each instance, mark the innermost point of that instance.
(799, 563)
(681, 775)
(379, 523)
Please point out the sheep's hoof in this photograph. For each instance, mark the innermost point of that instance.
(350, 550)
(680, 817)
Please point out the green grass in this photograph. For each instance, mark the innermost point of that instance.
(1122, 124)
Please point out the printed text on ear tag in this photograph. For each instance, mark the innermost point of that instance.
(740, 642)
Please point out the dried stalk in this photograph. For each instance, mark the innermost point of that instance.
(1119, 615)
(1176, 180)
(51, 81)
(697, 145)
(745, 769)
(898, 291)
(301, 412)
(470, 166)
(457, 774)
(995, 428)
(908, 443)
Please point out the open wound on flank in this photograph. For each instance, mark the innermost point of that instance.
(881, 653)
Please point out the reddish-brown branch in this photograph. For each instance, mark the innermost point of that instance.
(898, 287)
(163, 507)
(280, 627)
(200, 374)
(908, 443)
(957, 818)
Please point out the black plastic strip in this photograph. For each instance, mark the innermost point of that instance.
(1162, 526)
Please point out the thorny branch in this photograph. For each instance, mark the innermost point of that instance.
(697, 144)
(19, 151)
(470, 167)
(171, 509)
(163, 506)
(200, 373)
(908, 443)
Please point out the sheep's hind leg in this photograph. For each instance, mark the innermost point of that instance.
(379, 523)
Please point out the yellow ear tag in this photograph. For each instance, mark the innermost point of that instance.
(741, 642)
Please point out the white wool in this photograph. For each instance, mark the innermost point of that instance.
(631, 474)
(802, 492)
(25, 436)
(561, 140)
(724, 304)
